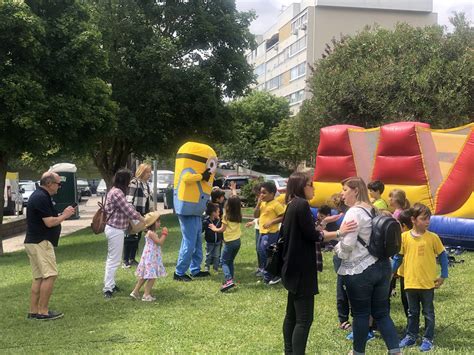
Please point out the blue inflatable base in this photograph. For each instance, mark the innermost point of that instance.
(454, 232)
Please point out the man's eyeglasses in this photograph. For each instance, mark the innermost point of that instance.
(57, 183)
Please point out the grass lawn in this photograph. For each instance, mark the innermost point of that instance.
(194, 317)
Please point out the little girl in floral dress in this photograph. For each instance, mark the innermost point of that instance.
(151, 263)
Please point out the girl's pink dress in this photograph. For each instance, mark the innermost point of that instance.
(151, 263)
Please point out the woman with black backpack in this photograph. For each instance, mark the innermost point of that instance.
(139, 195)
(366, 278)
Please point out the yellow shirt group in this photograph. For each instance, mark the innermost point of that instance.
(419, 259)
(268, 212)
(232, 231)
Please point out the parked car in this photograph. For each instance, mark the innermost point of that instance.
(280, 182)
(101, 188)
(224, 182)
(224, 164)
(12, 196)
(83, 188)
(164, 179)
(27, 188)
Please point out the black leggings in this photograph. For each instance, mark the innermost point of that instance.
(298, 320)
(130, 246)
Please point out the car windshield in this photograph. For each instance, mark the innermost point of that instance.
(28, 187)
(82, 182)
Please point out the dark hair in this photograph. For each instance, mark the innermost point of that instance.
(121, 179)
(405, 218)
(295, 186)
(232, 209)
(217, 194)
(376, 185)
(419, 209)
(211, 207)
(269, 186)
(325, 209)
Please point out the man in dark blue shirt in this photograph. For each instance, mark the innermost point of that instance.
(42, 235)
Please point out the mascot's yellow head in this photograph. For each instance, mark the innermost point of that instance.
(194, 159)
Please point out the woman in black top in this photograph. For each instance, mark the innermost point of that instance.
(299, 272)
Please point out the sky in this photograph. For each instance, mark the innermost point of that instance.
(268, 10)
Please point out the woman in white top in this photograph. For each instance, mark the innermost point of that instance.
(366, 278)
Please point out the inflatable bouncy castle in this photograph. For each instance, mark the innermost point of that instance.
(434, 167)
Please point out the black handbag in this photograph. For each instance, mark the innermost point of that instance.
(274, 262)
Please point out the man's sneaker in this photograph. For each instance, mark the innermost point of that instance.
(426, 345)
(202, 274)
(206, 269)
(184, 278)
(116, 289)
(133, 262)
(108, 294)
(126, 265)
(407, 341)
(31, 316)
(274, 281)
(227, 285)
(50, 316)
(259, 273)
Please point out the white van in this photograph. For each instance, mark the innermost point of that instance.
(164, 179)
(12, 197)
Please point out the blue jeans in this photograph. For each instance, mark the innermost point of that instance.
(265, 241)
(425, 298)
(228, 255)
(190, 252)
(213, 254)
(368, 295)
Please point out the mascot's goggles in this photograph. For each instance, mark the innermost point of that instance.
(211, 162)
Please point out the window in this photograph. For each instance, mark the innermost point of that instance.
(295, 97)
(272, 64)
(296, 24)
(259, 70)
(273, 83)
(298, 71)
(296, 47)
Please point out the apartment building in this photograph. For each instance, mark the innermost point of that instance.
(299, 36)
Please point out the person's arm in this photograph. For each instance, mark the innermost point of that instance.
(256, 211)
(127, 208)
(346, 227)
(250, 224)
(397, 260)
(444, 262)
(190, 177)
(306, 222)
(51, 222)
(158, 239)
(233, 188)
(272, 222)
(349, 241)
(221, 229)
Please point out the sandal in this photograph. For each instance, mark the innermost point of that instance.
(148, 298)
(345, 325)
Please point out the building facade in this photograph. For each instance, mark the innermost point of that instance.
(300, 34)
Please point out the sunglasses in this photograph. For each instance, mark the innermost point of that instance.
(57, 183)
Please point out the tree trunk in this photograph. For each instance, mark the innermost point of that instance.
(109, 157)
(3, 174)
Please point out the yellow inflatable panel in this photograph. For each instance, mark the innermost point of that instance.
(323, 192)
(415, 193)
(466, 210)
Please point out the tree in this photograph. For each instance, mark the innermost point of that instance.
(51, 99)
(381, 76)
(285, 144)
(252, 119)
(170, 66)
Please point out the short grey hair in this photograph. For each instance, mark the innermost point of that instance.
(48, 178)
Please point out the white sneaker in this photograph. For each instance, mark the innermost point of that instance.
(274, 281)
(148, 298)
(135, 296)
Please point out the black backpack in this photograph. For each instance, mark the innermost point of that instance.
(386, 237)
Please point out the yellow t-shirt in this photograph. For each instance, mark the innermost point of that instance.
(419, 259)
(232, 231)
(268, 212)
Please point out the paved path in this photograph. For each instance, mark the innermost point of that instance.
(87, 208)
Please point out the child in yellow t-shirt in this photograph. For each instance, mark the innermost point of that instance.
(231, 227)
(419, 250)
(270, 213)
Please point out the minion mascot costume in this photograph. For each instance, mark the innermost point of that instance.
(196, 165)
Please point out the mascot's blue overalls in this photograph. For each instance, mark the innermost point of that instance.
(196, 164)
